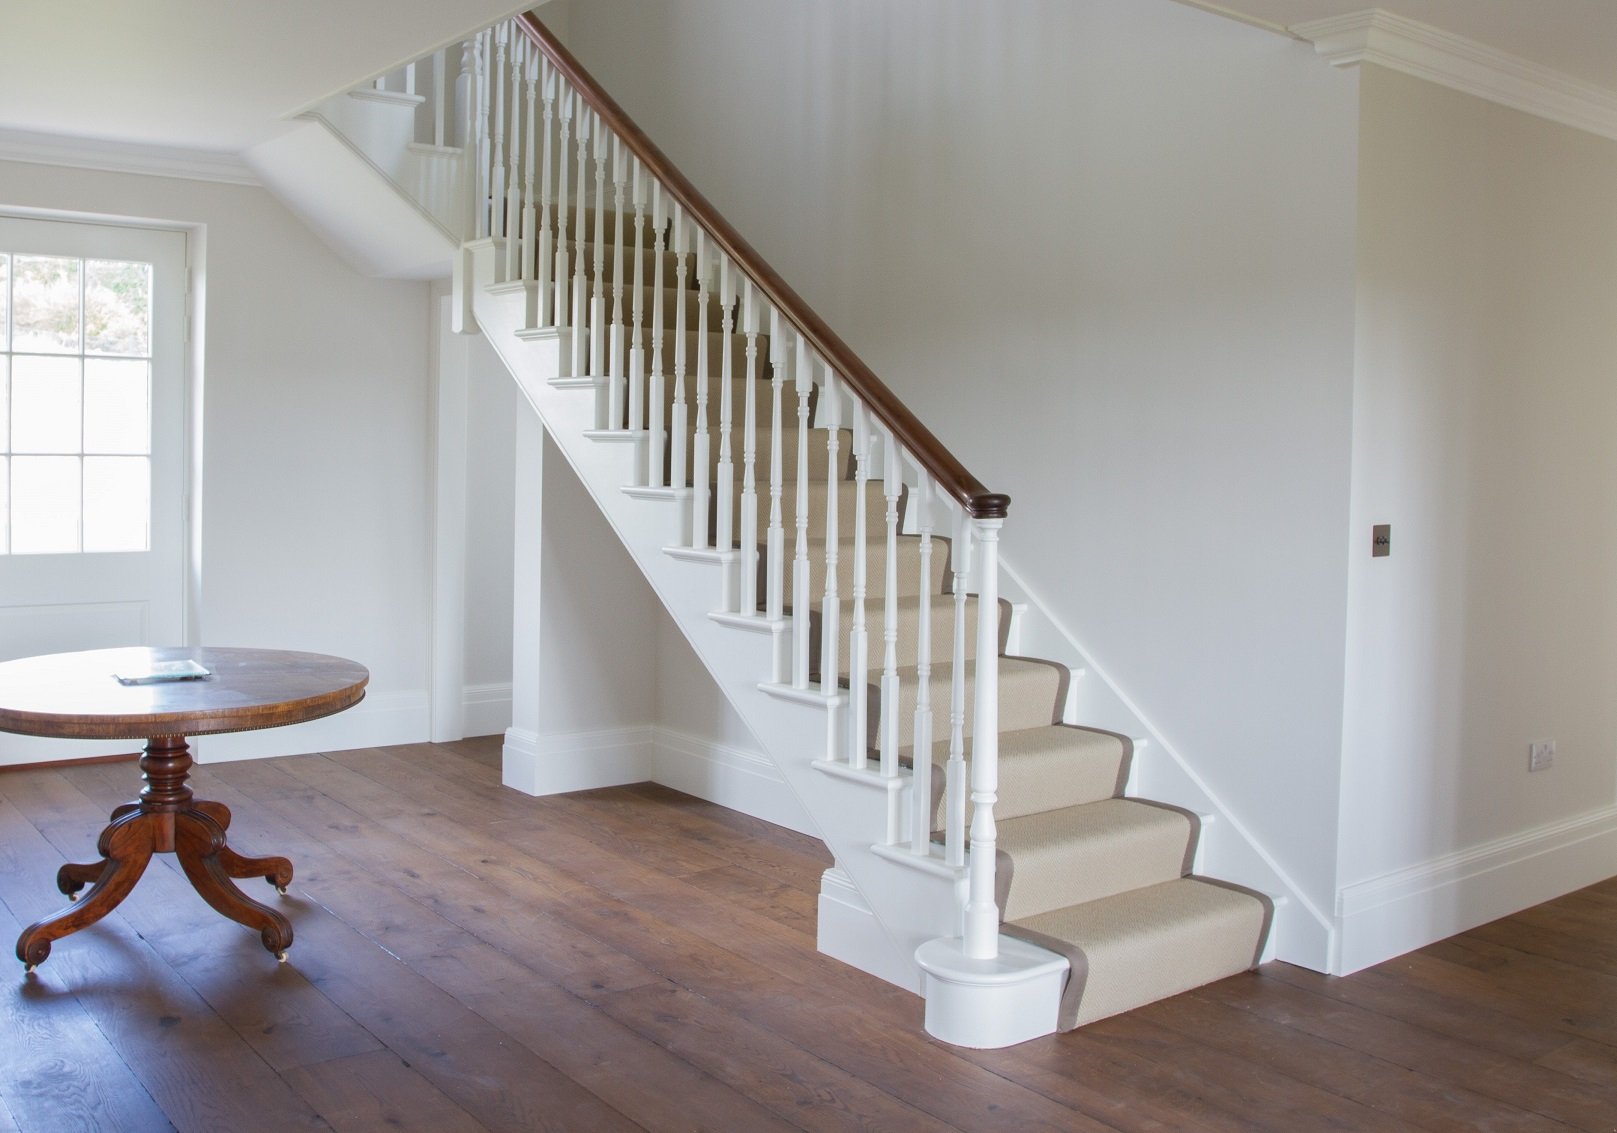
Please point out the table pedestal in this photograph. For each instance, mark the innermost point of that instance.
(166, 819)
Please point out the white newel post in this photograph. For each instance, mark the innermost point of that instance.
(982, 913)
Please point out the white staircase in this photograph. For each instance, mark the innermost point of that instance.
(807, 538)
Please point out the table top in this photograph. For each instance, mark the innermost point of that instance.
(77, 696)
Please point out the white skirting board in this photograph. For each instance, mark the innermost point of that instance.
(486, 709)
(580, 761)
(381, 719)
(1410, 908)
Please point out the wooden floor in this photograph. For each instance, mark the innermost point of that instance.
(468, 958)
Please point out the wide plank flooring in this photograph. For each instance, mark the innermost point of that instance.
(468, 958)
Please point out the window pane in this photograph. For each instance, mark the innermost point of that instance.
(5, 404)
(117, 405)
(117, 503)
(45, 304)
(44, 505)
(5, 506)
(5, 299)
(117, 307)
(45, 401)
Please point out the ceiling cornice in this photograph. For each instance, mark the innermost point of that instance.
(1401, 44)
(125, 157)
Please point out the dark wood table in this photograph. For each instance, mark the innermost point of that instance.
(77, 696)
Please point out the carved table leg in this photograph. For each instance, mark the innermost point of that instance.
(199, 842)
(128, 845)
(167, 819)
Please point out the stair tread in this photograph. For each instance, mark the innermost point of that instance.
(1146, 944)
(1081, 853)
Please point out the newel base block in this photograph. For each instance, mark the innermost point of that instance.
(987, 1004)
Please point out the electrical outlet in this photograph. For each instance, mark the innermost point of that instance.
(1541, 755)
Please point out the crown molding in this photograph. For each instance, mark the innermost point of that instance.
(125, 157)
(1401, 44)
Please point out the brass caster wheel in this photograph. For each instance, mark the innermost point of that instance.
(30, 969)
(280, 957)
(281, 889)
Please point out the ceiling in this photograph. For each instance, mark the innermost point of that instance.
(1575, 37)
(223, 75)
(219, 75)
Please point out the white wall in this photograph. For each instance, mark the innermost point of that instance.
(491, 425)
(1106, 250)
(314, 512)
(1484, 414)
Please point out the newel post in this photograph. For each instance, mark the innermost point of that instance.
(982, 912)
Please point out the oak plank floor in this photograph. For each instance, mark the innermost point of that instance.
(471, 959)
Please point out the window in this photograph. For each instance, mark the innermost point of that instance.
(75, 404)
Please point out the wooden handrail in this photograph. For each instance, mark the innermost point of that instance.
(950, 474)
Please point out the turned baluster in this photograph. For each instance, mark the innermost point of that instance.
(858, 639)
(921, 751)
(954, 831)
(891, 487)
(751, 318)
(678, 429)
(657, 441)
(701, 452)
(803, 373)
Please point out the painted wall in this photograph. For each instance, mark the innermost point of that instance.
(314, 513)
(1484, 411)
(1106, 250)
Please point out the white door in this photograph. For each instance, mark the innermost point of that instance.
(92, 445)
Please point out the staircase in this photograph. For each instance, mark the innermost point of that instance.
(831, 563)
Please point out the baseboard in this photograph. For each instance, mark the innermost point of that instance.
(486, 709)
(848, 931)
(1410, 908)
(745, 781)
(577, 761)
(380, 720)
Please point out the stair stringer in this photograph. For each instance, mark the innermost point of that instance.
(910, 904)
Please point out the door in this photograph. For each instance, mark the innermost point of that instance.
(92, 445)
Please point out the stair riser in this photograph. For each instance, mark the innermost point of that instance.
(1028, 698)
(909, 572)
(909, 621)
(1099, 858)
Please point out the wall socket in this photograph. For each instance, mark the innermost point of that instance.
(1541, 755)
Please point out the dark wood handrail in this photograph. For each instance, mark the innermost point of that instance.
(950, 474)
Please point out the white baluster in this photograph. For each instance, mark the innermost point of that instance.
(617, 362)
(582, 119)
(858, 640)
(409, 78)
(678, 428)
(775, 542)
(440, 96)
(656, 448)
(513, 184)
(921, 758)
(954, 831)
(598, 359)
(546, 269)
(804, 375)
(637, 295)
(530, 212)
(982, 912)
(480, 201)
(564, 218)
(701, 451)
(891, 486)
(496, 207)
(466, 117)
(751, 320)
(831, 603)
(724, 502)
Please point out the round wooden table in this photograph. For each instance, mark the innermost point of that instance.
(79, 696)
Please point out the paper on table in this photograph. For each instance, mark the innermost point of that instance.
(159, 672)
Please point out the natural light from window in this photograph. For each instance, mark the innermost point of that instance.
(75, 405)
